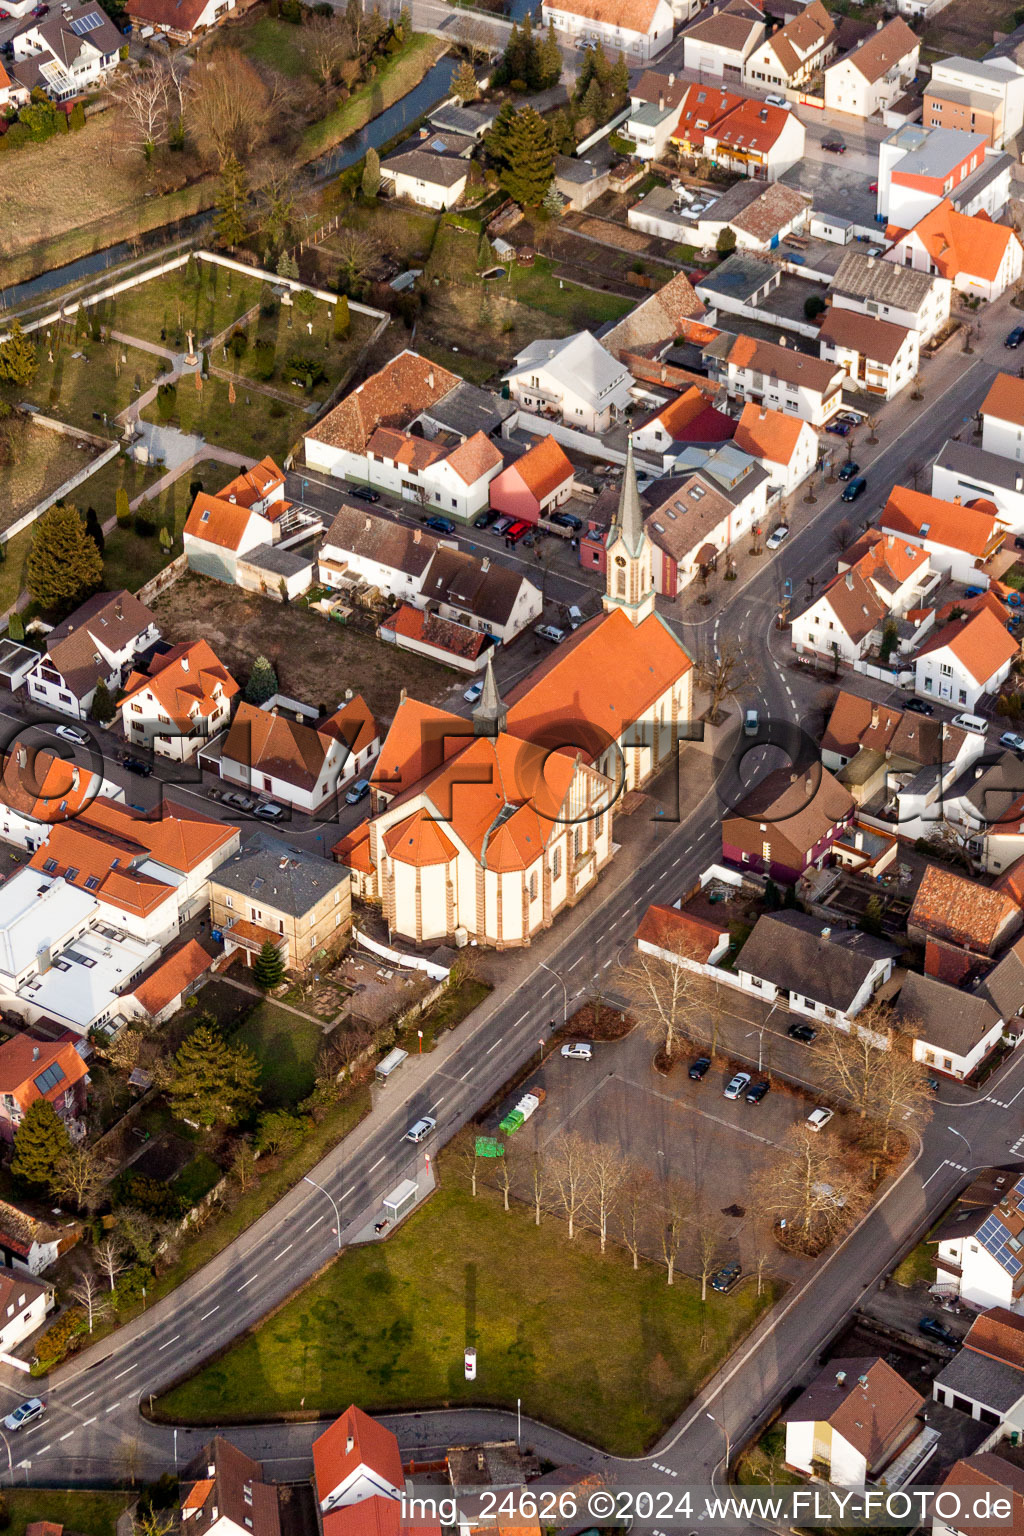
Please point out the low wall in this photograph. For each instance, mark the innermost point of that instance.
(395, 956)
(110, 451)
(163, 579)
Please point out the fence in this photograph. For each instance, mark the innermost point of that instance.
(163, 579)
(395, 956)
(110, 451)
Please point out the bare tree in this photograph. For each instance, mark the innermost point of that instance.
(709, 1240)
(873, 1068)
(505, 1177)
(608, 1173)
(538, 1176)
(111, 1258)
(667, 1000)
(129, 1457)
(356, 254)
(673, 1208)
(571, 1175)
(723, 672)
(842, 535)
(87, 1292)
(636, 1199)
(810, 1187)
(229, 105)
(329, 43)
(80, 1176)
(243, 1163)
(143, 104)
(764, 1250)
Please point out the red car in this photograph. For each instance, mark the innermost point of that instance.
(5, 15)
(518, 531)
(873, 187)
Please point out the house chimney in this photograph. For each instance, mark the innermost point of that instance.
(403, 695)
(672, 79)
(661, 101)
(840, 1378)
(1018, 483)
(184, 663)
(368, 524)
(35, 1053)
(874, 716)
(75, 776)
(211, 1470)
(849, 579)
(957, 501)
(485, 563)
(348, 694)
(826, 933)
(350, 1445)
(430, 379)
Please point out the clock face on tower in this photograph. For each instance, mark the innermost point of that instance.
(620, 559)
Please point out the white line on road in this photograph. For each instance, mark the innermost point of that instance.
(434, 1106)
(465, 1074)
(248, 1282)
(284, 1251)
(493, 1047)
(87, 1422)
(111, 1408)
(308, 1229)
(377, 1163)
(347, 1192)
(84, 1399)
(177, 1336)
(67, 1436)
(520, 1019)
(43, 1450)
(135, 1363)
(204, 1317)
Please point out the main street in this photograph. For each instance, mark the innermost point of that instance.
(93, 1424)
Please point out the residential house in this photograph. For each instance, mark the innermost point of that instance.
(857, 725)
(978, 257)
(180, 20)
(652, 328)
(789, 57)
(30, 1246)
(959, 539)
(681, 939)
(900, 295)
(356, 1459)
(270, 891)
(41, 1069)
(784, 446)
(783, 379)
(442, 640)
(879, 357)
(985, 1379)
(640, 29)
(179, 702)
(978, 1250)
(654, 108)
(296, 764)
(168, 984)
(226, 1493)
(983, 96)
(13, 94)
(852, 1421)
(717, 46)
(951, 909)
(963, 472)
(684, 420)
(755, 139)
(965, 659)
(148, 872)
(953, 1031)
(38, 790)
(248, 517)
(429, 173)
(786, 825)
(876, 73)
(361, 546)
(983, 1481)
(760, 214)
(826, 973)
(881, 580)
(97, 643)
(499, 859)
(1002, 417)
(919, 166)
(740, 285)
(70, 52)
(24, 1305)
(574, 380)
(535, 484)
(701, 107)
(696, 515)
(482, 594)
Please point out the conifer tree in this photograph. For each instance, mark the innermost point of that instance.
(40, 1142)
(268, 971)
(212, 1082)
(63, 566)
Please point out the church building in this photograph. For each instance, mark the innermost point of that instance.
(485, 829)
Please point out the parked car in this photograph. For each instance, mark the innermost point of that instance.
(849, 469)
(975, 723)
(838, 428)
(758, 1092)
(777, 536)
(485, 519)
(1015, 337)
(852, 418)
(421, 1130)
(579, 1050)
(876, 250)
(240, 802)
(834, 146)
(919, 707)
(727, 1278)
(751, 723)
(550, 632)
(777, 101)
(698, 1068)
(819, 1118)
(359, 791)
(872, 186)
(364, 493)
(502, 526)
(439, 524)
(854, 488)
(137, 765)
(473, 692)
(269, 810)
(974, 592)
(1012, 740)
(933, 1329)
(27, 1412)
(520, 531)
(736, 1085)
(567, 520)
(805, 1033)
(73, 733)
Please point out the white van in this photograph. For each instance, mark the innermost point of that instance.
(971, 723)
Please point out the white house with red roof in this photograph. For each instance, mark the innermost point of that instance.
(978, 257)
(959, 539)
(293, 762)
(164, 988)
(183, 700)
(247, 515)
(536, 484)
(97, 643)
(1002, 417)
(880, 579)
(640, 29)
(874, 74)
(684, 420)
(41, 1069)
(718, 45)
(784, 446)
(878, 357)
(967, 658)
(181, 20)
(755, 139)
(39, 791)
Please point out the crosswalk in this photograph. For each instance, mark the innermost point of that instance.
(1018, 1146)
(668, 1471)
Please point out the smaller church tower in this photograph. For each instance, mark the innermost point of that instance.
(490, 714)
(629, 577)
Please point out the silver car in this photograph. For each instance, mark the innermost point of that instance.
(26, 1413)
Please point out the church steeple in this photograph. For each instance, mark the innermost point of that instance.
(490, 714)
(629, 573)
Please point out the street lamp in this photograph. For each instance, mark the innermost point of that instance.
(728, 1446)
(760, 1032)
(7, 1448)
(963, 1138)
(337, 1214)
(565, 990)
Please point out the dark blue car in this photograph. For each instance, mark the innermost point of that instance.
(838, 428)
(849, 470)
(439, 524)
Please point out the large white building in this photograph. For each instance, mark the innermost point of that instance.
(1002, 417)
(70, 52)
(977, 96)
(916, 300)
(876, 73)
(641, 29)
(573, 380)
(979, 258)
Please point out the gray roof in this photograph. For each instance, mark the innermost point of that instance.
(989, 468)
(734, 472)
(283, 877)
(869, 277)
(990, 168)
(740, 276)
(474, 118)
(938, 152)
(988, 73)
(467, 409)
(992, 1383)
(794, 950)
(994, 789)
(64, 36)
(278, 561)
(580, 172)
(1003, 987)
(942, 1016)
(438, 170)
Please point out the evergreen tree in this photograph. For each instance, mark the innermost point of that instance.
(341, 317)
(602, 69)
(593, 105)
(526, 156)
(618, 80)
(464, 87)
(212, 1083)
(262, 684)
(122, 510)
(553, 202)
(94, 529)
(370, 184)
(550, 60)
(103, 707)
(40, 1142)
(232, 200)
(16, 627)
(77, 116)
(268, 971)
(192, 272)
(510, 66)
(585, 73)
(18, 361)
(531, 55)
(64, 566)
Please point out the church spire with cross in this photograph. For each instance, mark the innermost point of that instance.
(629, 571)
(490, 714)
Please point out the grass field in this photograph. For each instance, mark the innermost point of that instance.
(588, 1344)
(394, 79)
(43, 460)
(85, 1511)
(286, 1047)
(130, 560)
(255, 425)
(965, 27)
(294, 343)
(101, 382)
(163, 309)
(275, 44)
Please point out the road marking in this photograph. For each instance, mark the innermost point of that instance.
(202, 1319)
(676, 861)
(308, 1229)
(87, 1422)
(84, 1399)
(248, 1282)
(43, 1450)
(465, 1074)
(434, 1106)
(112, 1407)
(284, 1251)
(134, 1364)
(493, 1047)
(520, 1019)
(347, 1192)
(377, 1163)
(67, 1436)
(177, 1336)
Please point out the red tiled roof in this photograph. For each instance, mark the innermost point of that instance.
(371, 1446)
(419, 840)
(959, 244)
(948, 523)
(174, 973)
(1005, 399)
(184, 678)
(397, 393)
(543, 468)
(981, 642)
(24, 1060)
(768, 434)
(679, 933)
(949, 906)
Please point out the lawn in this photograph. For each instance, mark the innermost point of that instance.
(88, 390)
(273, 43)
(131, 559)
(287, 1048)
(538, 287)
(454, 1005)
(395, 78)
(85, 1511)
(588, 1344)
(255, 424)
(296, 350)
(918, 1268)
(43, 460)
(165, 308)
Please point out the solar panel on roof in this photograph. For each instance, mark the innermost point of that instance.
(995, 1238)
(87, 23)
(49, 1079)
